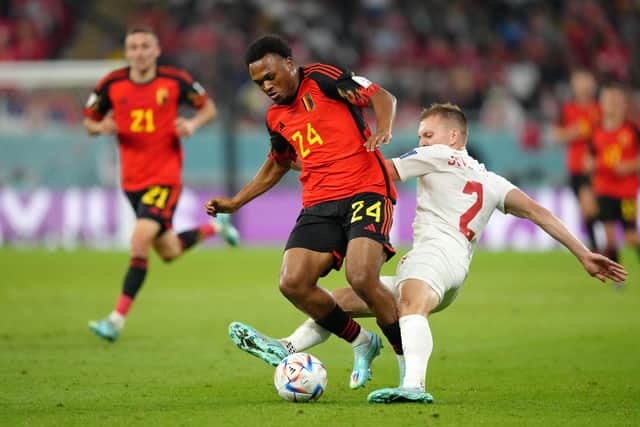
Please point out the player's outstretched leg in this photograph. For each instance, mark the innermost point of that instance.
(105, 328)
(222, 224)
(363, 355)
(253, 342)
(400, 395)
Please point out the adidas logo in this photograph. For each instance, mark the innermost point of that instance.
(370, 228)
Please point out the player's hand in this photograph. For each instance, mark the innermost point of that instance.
(624, 168)
(220, 205)
(184, 127)
(374, 141)
(108, 126)
(602, 268)
(589, 164)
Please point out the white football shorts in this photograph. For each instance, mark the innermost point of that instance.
(443, 269)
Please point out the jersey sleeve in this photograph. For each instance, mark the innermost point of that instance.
(281, 151)
(191, 92)
(417, 162)
(501, 186)
(342, 84)
(98, 104)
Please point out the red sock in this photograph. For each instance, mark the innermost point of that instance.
(206, 230)
(124, 304)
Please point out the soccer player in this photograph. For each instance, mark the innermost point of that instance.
(456, 197)
(617, 165)
(139, 104)
(317, 121)
(579, 118)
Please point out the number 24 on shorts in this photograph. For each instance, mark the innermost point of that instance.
(372, 211)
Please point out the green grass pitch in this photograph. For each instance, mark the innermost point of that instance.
(531, 340)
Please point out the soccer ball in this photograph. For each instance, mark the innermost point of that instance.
(300, 377)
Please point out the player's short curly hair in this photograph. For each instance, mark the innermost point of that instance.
(447, 111)
(265, 45)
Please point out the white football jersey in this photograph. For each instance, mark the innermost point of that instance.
(456, 195)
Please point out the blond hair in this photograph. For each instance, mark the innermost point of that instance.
(449, 112)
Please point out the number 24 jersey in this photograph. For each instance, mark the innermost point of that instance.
(456, 195)
(325, 128)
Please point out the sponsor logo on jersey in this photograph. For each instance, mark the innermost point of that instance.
(410, 153)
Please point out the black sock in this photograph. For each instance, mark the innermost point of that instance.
(341, 324)
(591, 234)
(189, 238)
(135, 276)
(392, 332)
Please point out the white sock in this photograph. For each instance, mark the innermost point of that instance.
(117, 319)
(306, 336)
(417, 345)
(362, 338)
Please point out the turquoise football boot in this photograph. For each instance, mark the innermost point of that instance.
(253, 342)
(104, 328)
(226, 229)
(363, 355)
(400, 395)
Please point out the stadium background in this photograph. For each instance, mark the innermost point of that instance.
(531, 341)
(506, 63)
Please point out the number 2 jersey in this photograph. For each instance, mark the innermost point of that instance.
(456, 195)
(149, 146)
(324, 126)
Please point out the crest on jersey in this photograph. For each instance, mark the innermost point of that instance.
(307, 101)
(625, 138)
(162, 94)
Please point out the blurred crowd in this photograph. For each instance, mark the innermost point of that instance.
(507, 62)
(33, 29)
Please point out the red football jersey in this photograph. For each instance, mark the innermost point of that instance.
(612, 147)
(324, 126)
(587, 117)
(150, 150)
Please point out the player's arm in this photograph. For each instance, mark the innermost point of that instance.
(393, 171)
(267, 177)
(626, 167)
(566, 134)
(106, 126)
(384, 107)
(279, 162)
(97, 117)
(206, 113)
(519, 204)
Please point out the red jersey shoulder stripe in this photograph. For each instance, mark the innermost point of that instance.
(327, 71)
(169, 71)
(328, 67)
(319, 68)
(119, 74)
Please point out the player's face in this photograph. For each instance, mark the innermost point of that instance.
(435, 130)
(141, 50)
(583, 85)
(613, 103)
(276, 77)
